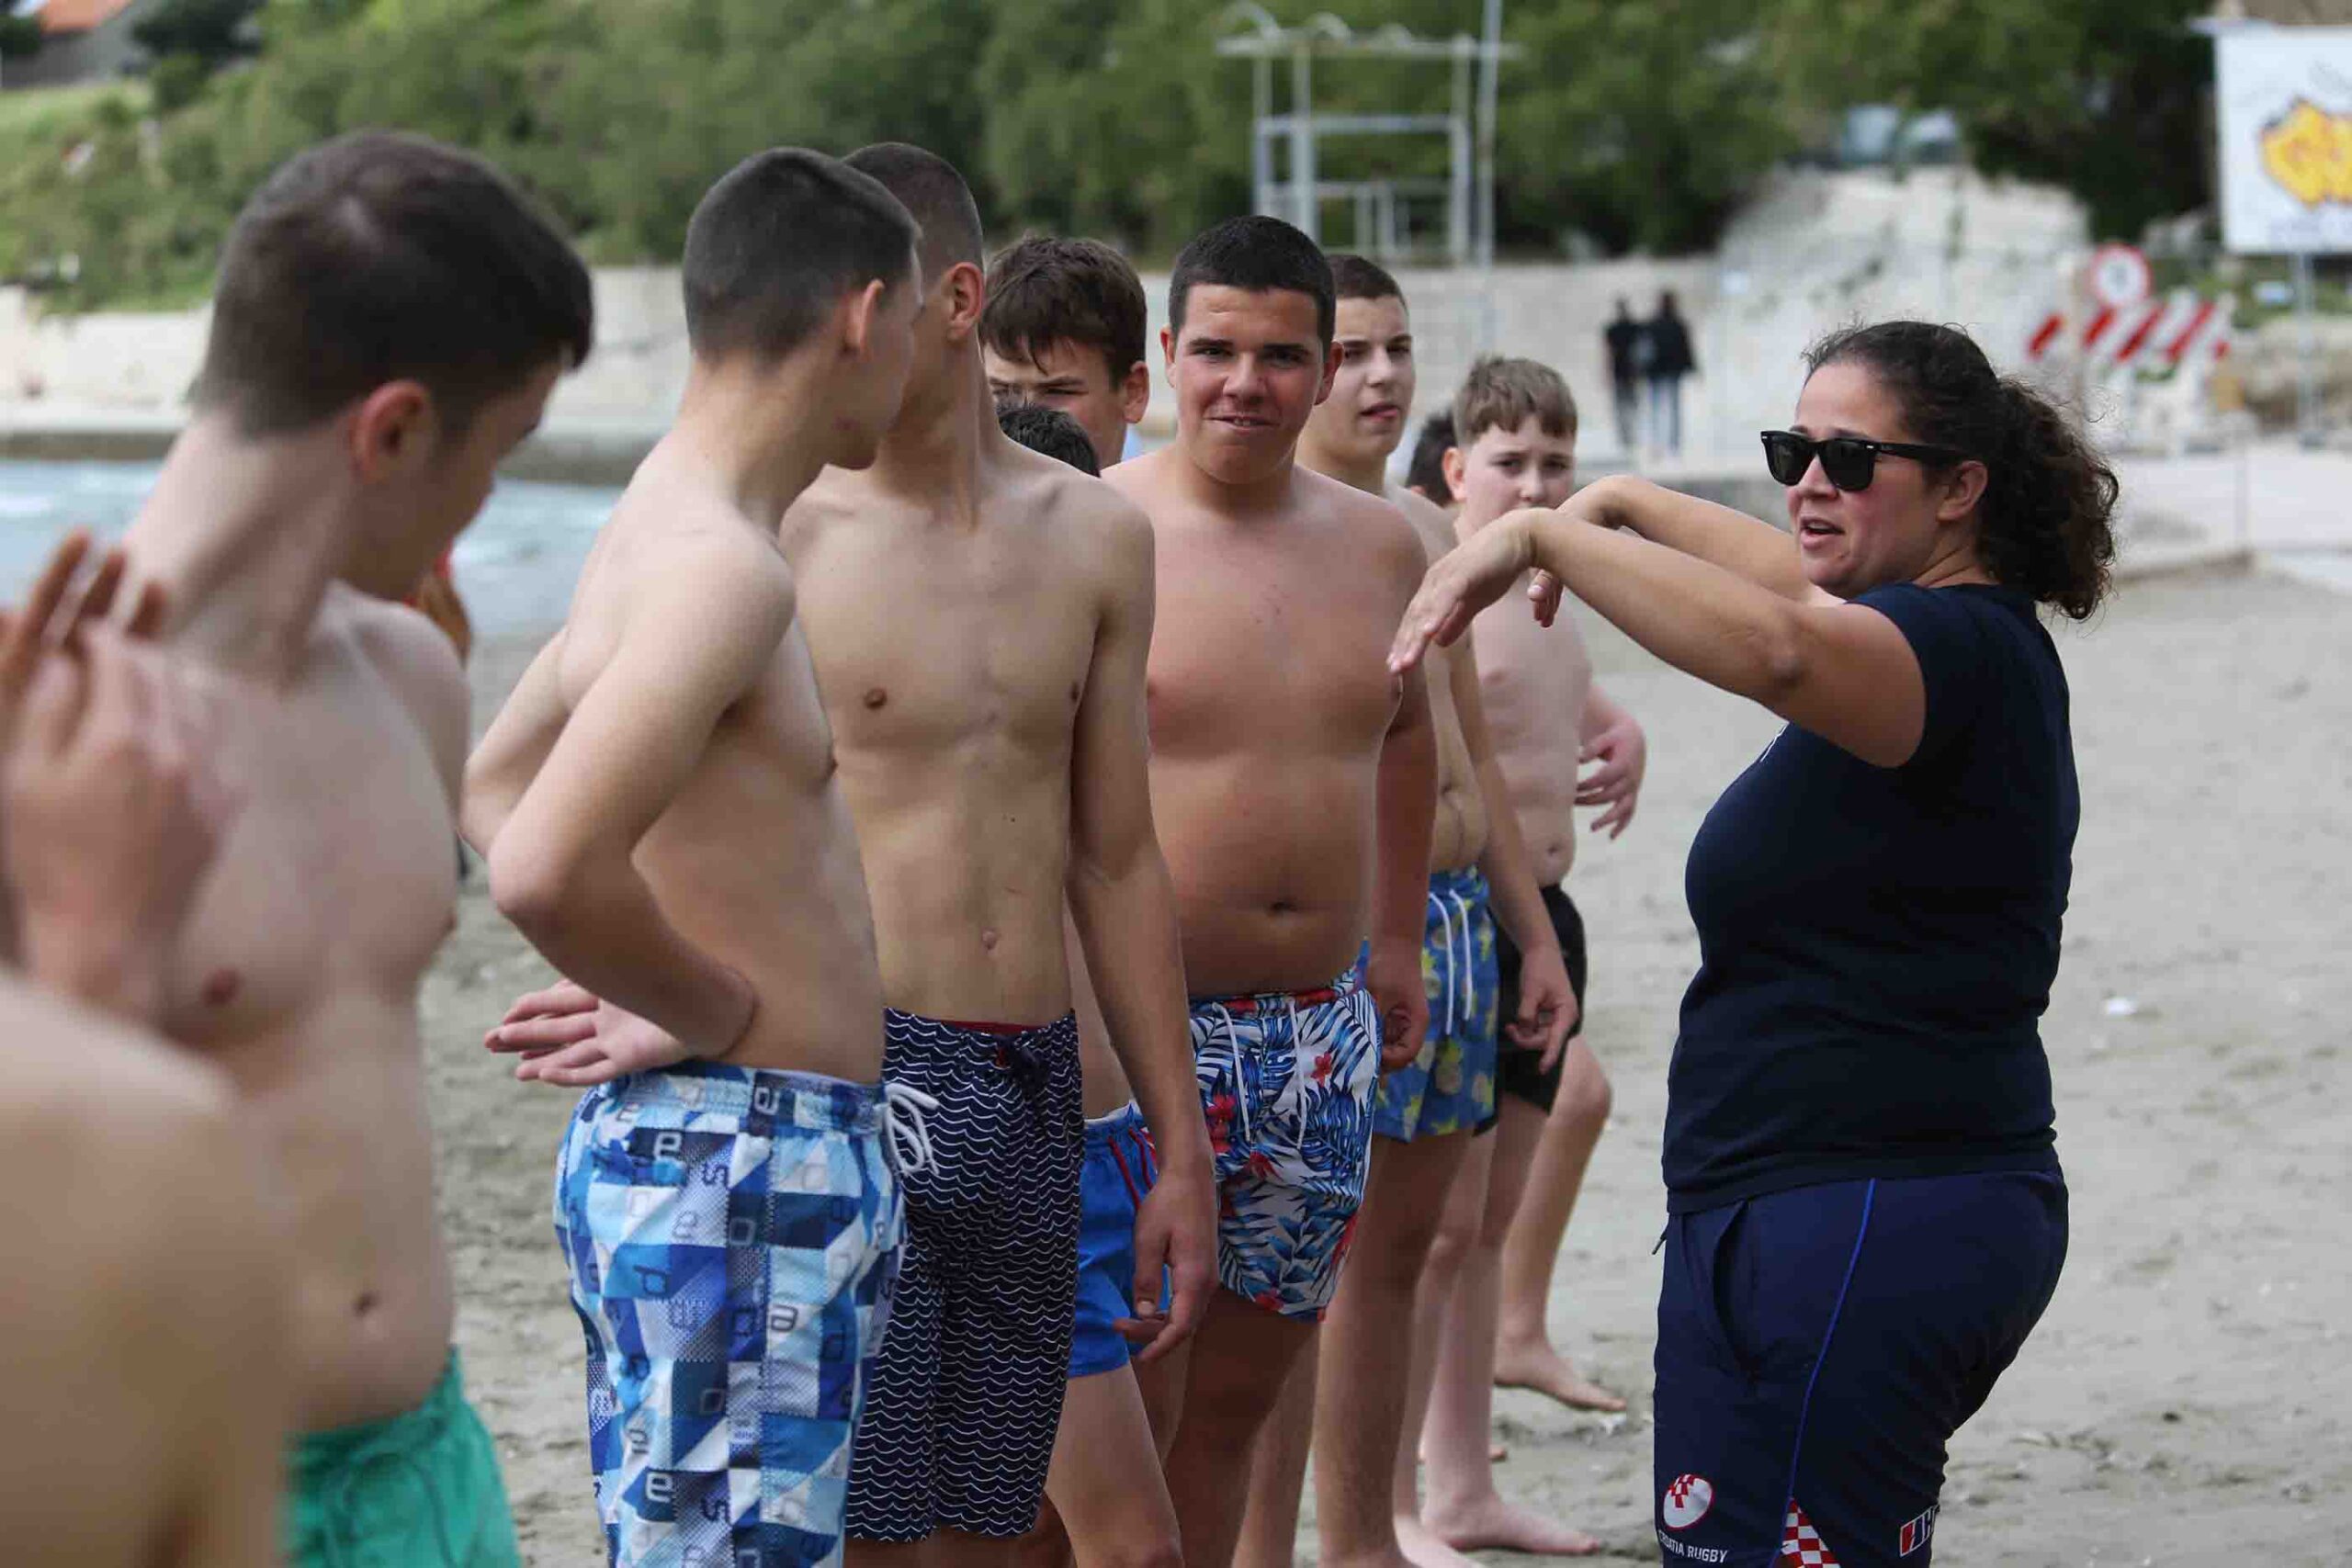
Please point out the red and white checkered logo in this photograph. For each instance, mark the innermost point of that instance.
(1687, 1501)
(1916, 1534)
(1802, 1544)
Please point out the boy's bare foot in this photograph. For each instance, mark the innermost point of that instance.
(1424, 1548)
(1546, 1371)
(1494, 1525)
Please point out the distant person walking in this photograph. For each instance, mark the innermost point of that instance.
(1667, 339)
(1627, 346)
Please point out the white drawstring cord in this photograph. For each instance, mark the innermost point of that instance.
(1460, 1000)
(1467, 993)
(903, 1109)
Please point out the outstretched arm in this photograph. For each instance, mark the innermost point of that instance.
(1843, 671)
(1124, 906)
(691, 644)
(1747, 547)
(1547, 1003)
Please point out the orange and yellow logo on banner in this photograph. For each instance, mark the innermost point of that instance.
(2309, 152)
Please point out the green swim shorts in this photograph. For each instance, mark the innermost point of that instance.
(417, 1490)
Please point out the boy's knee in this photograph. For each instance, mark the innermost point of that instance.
(1456, 1238)
(1585, 1093)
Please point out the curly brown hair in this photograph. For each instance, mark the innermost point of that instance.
(2045, 523)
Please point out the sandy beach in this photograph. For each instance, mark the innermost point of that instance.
(2182, 1402)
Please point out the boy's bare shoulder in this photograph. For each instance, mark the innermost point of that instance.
(404, 644)
(417, 659)
(1429, 520)
(1138, 477)
(682, 551)
(1372, 525)
(1090, 525)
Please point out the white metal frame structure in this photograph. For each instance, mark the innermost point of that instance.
(1468, 129)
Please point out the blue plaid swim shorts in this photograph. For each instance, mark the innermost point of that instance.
(731, 1234)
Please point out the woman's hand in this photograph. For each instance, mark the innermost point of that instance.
(1464, 580)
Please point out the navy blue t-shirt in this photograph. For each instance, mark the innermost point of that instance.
(1877, 945)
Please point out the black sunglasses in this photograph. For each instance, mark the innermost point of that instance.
(1848, 460)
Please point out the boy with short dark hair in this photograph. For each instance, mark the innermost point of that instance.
(1064, 327)
(390, 319)
(662, 816)
(1296, 784)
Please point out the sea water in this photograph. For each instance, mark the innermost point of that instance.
(515, 567)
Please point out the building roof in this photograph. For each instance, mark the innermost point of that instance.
(78, 15)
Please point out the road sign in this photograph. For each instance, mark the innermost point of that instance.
(2119, 278)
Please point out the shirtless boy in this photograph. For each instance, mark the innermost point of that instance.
(1426, 1111)
(1295, 785)
(138, 1293)
(389, 322)
(659, 805)
(980, 617)
(1064, 330)
(1516, 429)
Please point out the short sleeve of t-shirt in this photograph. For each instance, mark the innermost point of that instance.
(1949, 639)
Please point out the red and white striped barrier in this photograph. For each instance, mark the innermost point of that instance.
(2154, 338)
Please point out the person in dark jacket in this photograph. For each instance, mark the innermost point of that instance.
(1866, 1215)
(1625, 339)
(1667, 340)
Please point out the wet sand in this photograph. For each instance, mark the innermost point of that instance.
(2182, 1402)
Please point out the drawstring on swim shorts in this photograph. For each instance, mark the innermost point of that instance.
(1458, 995)
(903, 1111)
(1233, 1055)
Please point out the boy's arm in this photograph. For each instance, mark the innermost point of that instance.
(1613, 737)
(1547, 1003)
(1405, 818)
(692, 642)
(1123, 906)
(513, 749)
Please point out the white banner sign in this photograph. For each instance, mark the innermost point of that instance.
(2284, 96)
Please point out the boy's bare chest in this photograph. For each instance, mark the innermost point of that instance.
(338, 870)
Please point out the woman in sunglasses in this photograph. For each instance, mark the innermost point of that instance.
(1866, 1215)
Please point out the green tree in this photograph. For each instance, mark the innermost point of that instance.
(20, 35)
(2108, 98)
(2134, 141)
(211, 32)
(1640, 124)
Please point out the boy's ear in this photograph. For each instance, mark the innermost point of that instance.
(392, 430)
(858, 310)
(1457, 473)
(1135, 392)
